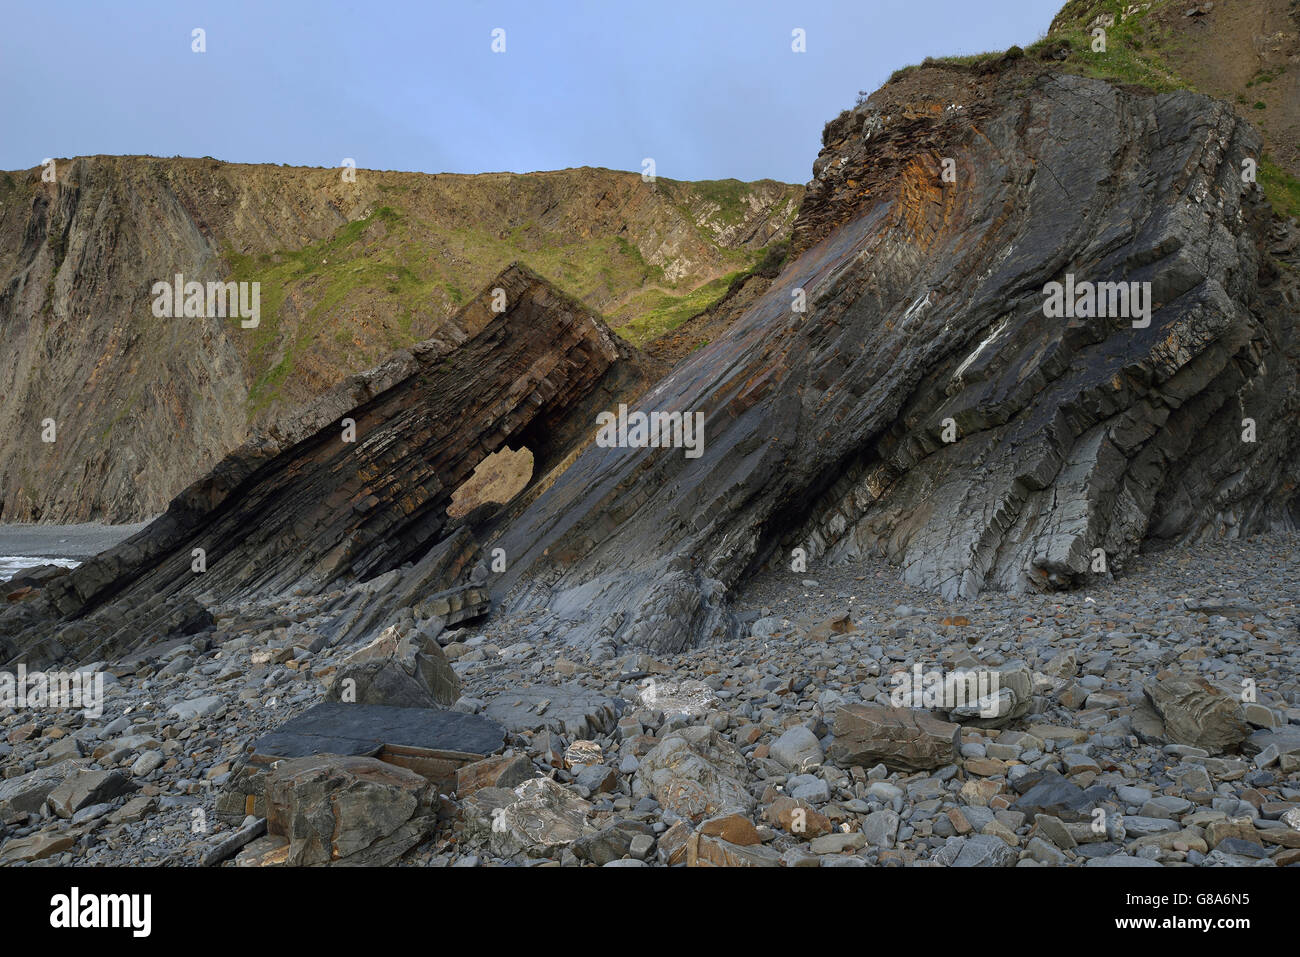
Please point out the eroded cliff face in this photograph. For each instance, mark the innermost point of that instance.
(900, 387)
(1244, 52)
(355, 486)
(1071, 442)
(347, 271)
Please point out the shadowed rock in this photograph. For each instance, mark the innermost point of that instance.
(922, 407)
(309, 508)
(1074, 441)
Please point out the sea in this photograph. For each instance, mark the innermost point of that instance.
(11, 565)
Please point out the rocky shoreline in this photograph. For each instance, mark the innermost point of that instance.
(778, 748)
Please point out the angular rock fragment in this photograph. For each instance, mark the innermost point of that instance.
(36, 847)
(333, 808)
(539, 818)
(26, 793)
(610, 843)
(995, 696)
(797, 748)
(900, 738)
(401, 670)
(570, 709)
(1057, 796)
(705, 851)
(501, 771)
(695, 778)
(1194, 712)
(85, 787)
(731, 827)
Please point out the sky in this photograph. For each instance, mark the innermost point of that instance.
(708, 89)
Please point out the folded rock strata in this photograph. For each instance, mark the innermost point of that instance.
(920, 406)
(308, 508)
(1076, 441)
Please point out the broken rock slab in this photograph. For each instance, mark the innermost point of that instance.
(1013, 697)
(337, 809)
(85, 787)
(705, 851)
(434, 743)
(900, 738)
(26, 794)
(36, 847)
(1197, 713)
(539, 818)
(499, 771)
(673, 696)
(568, 709)
(797, 748)
(401, 668)
(978, 850)
(1052, 794)
(613, 842)
(696, 774)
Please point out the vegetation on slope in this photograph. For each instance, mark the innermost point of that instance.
(397, 275)
(1146, 45)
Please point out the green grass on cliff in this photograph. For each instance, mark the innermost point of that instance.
(1138, 53)
(1134, 52)
(324, 274)
(658, 313)
(380, 268)
(730, 196)
(1281, 188)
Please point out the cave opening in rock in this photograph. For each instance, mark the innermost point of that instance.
(497, 479)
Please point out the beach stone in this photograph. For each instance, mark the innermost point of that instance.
(146, 763)
(837, 842)
(332, 807)
(797, 748)
(705, 851)
(1054, 795)
(900, 738)
(880, 828)
(614, 841)
(499, 771)
(201, 707)
(26, 793)
(733, 828)
(400, 668)
(984, 850)
(36, 847)
(697, 780)
(569, 709)
(1196, 713)
(85, 787)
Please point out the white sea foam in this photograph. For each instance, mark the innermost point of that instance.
(11, 565)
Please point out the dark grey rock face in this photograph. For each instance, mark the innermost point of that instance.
(352, 489)
(900, 389)
(1074, 441)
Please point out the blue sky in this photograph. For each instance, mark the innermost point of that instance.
(709, 89)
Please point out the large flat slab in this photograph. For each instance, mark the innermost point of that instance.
(367, 729)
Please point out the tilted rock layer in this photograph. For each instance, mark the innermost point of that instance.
(358, 486)
(898, 389)
(825, 430)
(349, 271)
